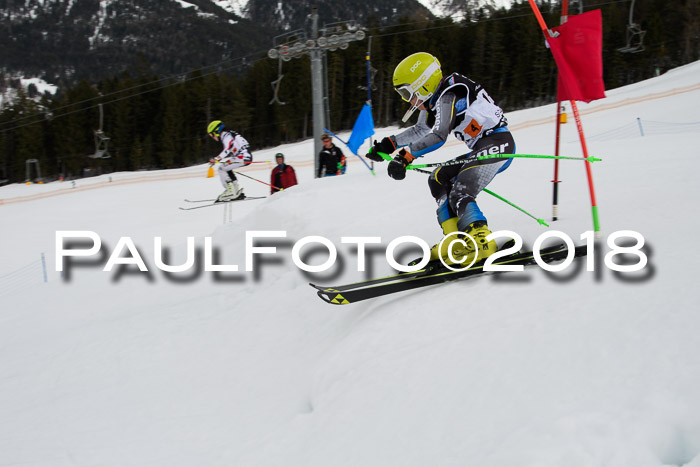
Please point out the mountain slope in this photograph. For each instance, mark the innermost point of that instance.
(72, 40)
(90, 40)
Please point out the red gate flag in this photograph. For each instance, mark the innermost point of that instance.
(578, 51)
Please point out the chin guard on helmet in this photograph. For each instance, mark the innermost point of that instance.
(409, 112)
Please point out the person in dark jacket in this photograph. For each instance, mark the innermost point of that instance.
(283, 175)
(332, 160)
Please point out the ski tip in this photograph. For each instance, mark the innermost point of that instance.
(330, 295)
(334, 298)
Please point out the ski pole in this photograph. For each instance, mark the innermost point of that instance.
(385, 156)
(536, 156)
(437, 164)
(539, 221)
(210, 171)
(251, 162)
(496, 156)
(259, 181)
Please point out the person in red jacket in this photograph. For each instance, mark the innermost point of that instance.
(283, 175)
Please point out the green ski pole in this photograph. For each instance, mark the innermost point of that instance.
(536, 156)
(384, 156)
(498, 156)
(539, 221)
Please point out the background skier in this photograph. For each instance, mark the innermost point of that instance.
(236, 153)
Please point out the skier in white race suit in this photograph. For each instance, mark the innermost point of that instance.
(236, 153)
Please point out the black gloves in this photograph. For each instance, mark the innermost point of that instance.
(387, 146)
(397, 167)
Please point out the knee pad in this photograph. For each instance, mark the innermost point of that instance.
(437, 190)
(439, 184)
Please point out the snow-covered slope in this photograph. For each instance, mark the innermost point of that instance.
(574, 368)
(237, 7)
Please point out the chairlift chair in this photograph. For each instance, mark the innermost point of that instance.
(635, 36)
(101, 141)
(33, 163)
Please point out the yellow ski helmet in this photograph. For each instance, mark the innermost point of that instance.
(215, 128)
(417, 75)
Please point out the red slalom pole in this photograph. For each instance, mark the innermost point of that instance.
(594, 207)
(555, 182)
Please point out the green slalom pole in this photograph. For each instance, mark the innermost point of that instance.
(539, 221)
(536, 156)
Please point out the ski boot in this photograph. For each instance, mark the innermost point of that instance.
(448, 226)
(231, 193)
(478, 231)
(463, 254)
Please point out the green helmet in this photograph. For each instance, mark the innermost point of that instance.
(418, 75)
(215, 128)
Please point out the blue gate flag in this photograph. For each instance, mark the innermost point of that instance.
(363, 129)
(345, 143)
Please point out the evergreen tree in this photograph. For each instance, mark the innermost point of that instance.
(171, 134)
(159, 124)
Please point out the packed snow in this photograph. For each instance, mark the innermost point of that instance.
(575, 368)
(237, 7)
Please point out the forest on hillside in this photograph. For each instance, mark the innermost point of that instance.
(159, 122)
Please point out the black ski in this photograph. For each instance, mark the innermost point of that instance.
(353, 293)
(433, 266)
(247, 198)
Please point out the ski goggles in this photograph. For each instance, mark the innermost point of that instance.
(405, 92)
